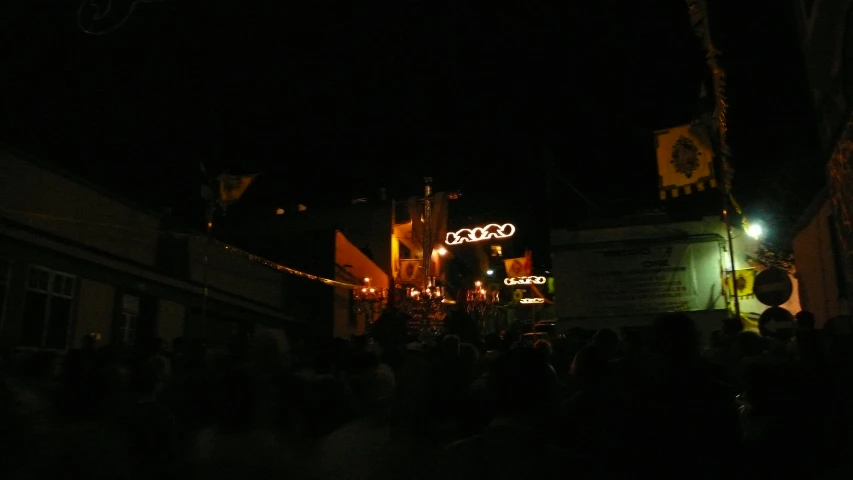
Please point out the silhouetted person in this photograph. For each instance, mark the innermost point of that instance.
(592, 418)
(607, 342)
(693, 414)
(78, 401)
(522, 386)
(150, 426)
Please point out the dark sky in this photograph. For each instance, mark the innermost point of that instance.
(331, 101)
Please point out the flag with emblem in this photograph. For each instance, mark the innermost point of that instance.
(232, 187)
(685, 160)
(516, 267)
(410, 271)
(744, 283)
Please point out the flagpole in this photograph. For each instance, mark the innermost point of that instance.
(728, 215)
(211, 211)
(427, 260)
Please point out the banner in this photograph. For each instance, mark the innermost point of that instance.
(411, 271)
(744, 280)
(516, 267)
(648, 279)
(685, 161)
(232, 187)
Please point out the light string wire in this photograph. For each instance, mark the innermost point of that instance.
(101, 9)
(230, 248)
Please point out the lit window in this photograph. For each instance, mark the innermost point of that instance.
(47, 309)
(128, 320)
(497, 251)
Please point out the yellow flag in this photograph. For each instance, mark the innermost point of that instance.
(744, 281)
(515, 267)
(410, 271)
(232, 187)
(685, 162)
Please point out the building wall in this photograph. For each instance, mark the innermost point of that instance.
(109, 249)
(358, 267)
(822, 29)
(709, 228)
(95, 310)
(233, 272)
(170, 319)
(817, 269)
(51, 202)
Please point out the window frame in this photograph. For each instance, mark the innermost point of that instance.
(49, 293)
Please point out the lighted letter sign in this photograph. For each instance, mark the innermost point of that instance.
(524, 280)
(530, 301)
(478, 234)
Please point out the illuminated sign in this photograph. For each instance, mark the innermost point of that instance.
(524, 280)
(530, 301)
(478, 234)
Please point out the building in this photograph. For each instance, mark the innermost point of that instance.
(625, 273)
(75, 259)
(332, 309)
(820, 267)
(826, 36)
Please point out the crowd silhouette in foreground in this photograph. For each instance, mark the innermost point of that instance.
(586, 405)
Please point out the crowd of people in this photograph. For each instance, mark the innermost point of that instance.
(390, 406)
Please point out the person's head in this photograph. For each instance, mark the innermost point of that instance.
(521, 381)
(589, 366)
(715, 340)
(607, 341)
(674, 337)
(149, 377)
(469, 354)
(88, 341)
(544, 347)
(450, 344)
(805, 320)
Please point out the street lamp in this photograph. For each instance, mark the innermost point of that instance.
(490, 272)
(442, 251)
(754, 230)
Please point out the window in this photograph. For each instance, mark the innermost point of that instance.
(47, 309)
(4, 284)
(497, 251)
(128, 320)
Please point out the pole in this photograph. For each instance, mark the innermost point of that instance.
(211, 210)
(427, 265)
(727, 214)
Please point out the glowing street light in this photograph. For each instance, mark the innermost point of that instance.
(490, 272)
(442, 251)
(754, 230)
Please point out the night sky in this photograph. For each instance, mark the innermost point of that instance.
(332, 101)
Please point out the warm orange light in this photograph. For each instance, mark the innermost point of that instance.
(366, 280)
(478, 283)
(363, 290)
(372, 290)
(442, 251)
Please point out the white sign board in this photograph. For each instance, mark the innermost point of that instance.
(641, 280)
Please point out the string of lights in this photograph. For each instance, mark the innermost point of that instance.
(229, 248)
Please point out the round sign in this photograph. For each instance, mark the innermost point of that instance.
(776, 322)
(773, 287)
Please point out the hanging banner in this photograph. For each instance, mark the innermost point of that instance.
(685, 161)
(410, 271)
(744, 281)
(515, 267)
(651, 279)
